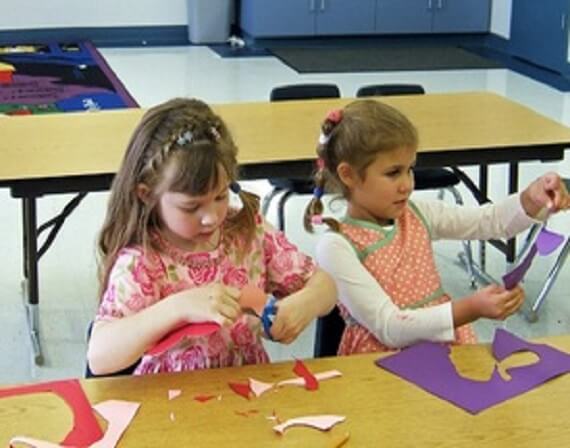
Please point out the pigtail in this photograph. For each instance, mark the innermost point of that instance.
(325, 162)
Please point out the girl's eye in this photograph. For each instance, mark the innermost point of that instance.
(189, 209)
(393, 173)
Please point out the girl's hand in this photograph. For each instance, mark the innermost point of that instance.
(291, 318)
(548, 191)
(212, 303)
(496, 302)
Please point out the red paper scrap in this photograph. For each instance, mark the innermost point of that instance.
(242, 389)
(204, 398)
(300, 369)
(187, 331)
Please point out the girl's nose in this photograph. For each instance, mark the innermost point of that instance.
(208, 219)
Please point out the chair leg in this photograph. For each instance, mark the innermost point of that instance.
(267, 200)
(466, 243)
(550, 279)
(281, 209)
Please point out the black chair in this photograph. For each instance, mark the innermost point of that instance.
(441, 179)
(328, 334)
(532, 315)
(286, 185)
(89, 374)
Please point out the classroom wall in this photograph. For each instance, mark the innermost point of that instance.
(501, 18)
(27, 14)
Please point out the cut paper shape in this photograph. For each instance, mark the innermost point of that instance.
(428, 366)
(321, 422)
(204, 398)
(259, 387)
(86, 430)
(118, 414)
(242, 389)
(548, 241)
(187, 331)
(253, 298)
(172, 418)
(319, 376)
(545, 243)
(174, 393)
(300, 369)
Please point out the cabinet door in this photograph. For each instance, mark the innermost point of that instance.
(539, 33)
(274, 18)
(404, 16)
(345, 16)
(461, 16)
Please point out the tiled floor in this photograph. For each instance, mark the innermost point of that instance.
(67, 272)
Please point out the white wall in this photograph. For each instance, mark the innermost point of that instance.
(22, 14)
(501, 17)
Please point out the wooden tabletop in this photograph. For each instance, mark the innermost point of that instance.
(74, 144)
(381, 409)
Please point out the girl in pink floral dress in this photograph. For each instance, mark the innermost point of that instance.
(380, 254)
(174, 252)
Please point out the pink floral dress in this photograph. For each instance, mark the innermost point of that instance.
(401, 260)
(137, 282)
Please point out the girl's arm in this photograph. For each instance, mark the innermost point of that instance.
(297, 310)
(117, 344)
(371, 306)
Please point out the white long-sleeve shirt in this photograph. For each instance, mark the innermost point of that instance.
(371, 306)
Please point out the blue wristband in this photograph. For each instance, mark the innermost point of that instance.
(268, 315)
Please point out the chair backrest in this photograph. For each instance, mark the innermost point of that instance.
(329, 333)
(390, 89)
(304, 92)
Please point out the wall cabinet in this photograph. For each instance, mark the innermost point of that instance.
(433, 16)
(287, 18)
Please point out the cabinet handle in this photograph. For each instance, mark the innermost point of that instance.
(312, 5)
(563, 22)
(323, 5)
(439, 4)
(429, 5)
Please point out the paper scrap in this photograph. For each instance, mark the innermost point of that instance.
(319, 376)
(548, 241)
(174, 393)
(242, 389)
(311, 383)
(321, 422)
(204, 398)
(258, 387)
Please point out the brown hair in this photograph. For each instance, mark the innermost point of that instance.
(355, 135)
(180, 146)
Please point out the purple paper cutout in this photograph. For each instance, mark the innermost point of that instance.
(548, 241)
(545, 243)
(514, 277)
(428, 366)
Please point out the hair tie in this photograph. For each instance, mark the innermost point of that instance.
(324, 139)
(335, 116)
(235, 187)
(317, 220)
(215, 133)
(320, 163)
(185, 138)
(318, 192)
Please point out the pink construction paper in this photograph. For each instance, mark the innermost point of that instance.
(319, 376)
(119, 415)
(174, 393)
(428, 366)
(321, 422)
(187, 331)
(259, 387)
(85, 429)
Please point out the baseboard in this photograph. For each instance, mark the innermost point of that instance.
(135, 36)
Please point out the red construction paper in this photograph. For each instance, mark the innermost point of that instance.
(300, 369)
(187, 331)
(86, 430)
(242, 389)
(204, 398)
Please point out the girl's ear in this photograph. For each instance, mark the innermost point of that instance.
(346, 174)
(143, 192)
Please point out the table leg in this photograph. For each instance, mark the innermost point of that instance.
(483, 188)
(31, 294)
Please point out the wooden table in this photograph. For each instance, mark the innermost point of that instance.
(81, 152)
(381, 409)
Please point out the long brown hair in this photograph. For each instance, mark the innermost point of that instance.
(355, 135)
(180, 146)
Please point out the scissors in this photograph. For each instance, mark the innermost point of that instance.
(267, 315)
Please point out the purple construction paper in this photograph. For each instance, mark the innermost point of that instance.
(428, 366)
(514, 277)
(548, 241)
